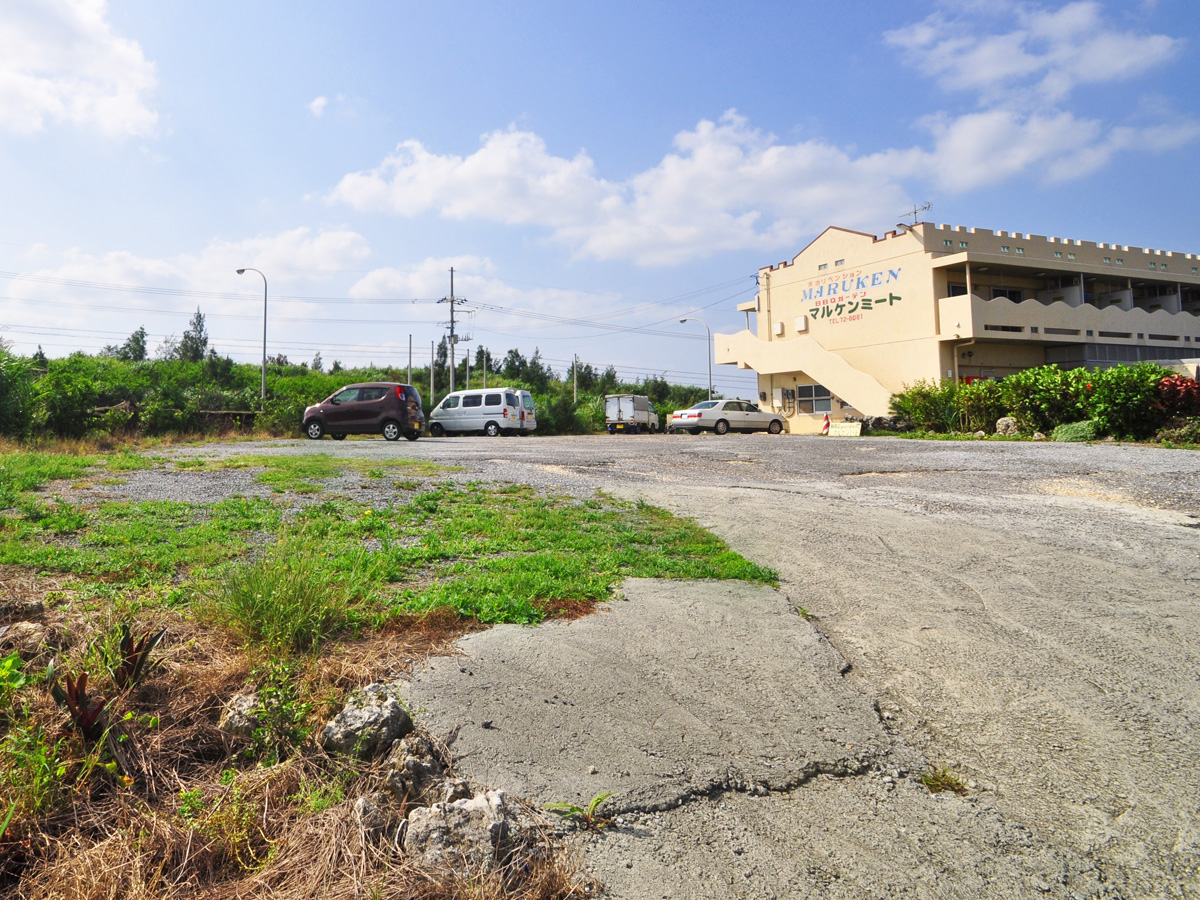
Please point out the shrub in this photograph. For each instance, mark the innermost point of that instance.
(1179, 396)
(1125, 400)
(1046, 397)
(1075, 432)
(929, 405)
(980, 404)
(1181, 431)
(16, 394)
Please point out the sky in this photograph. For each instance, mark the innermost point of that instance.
(592, 172)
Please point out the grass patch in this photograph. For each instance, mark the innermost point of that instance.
(300, 473)
(938, 780)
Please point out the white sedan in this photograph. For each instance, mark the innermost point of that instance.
(721, 416)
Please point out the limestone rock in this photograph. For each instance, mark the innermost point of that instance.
(1038, 436)
(472, 835)
(1007, 427)
(414, 770)
(371, 721)
(370, 812)
(237, 718)
(980, 434)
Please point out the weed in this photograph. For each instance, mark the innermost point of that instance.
(12, 679)
(589, 816)
(133, 661)
(85, 711)
(280, 712)
(938, 780)
(313, 797)
(31, 768)
(288, 600)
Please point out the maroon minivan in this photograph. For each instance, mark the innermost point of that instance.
(376, 407)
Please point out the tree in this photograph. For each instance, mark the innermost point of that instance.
(133, 350)
(515, 365)
(537, 374)
(317, 364)
(336, 367)
(194, 343)
(608, 382)
(40, 363)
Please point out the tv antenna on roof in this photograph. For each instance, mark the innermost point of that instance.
(917, 210)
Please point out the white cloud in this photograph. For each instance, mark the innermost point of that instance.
(60, 62)
(317, 107)
(1049, 54)
(727, 186)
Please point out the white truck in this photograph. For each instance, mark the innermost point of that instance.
(630, 412)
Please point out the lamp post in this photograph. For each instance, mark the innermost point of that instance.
(707, 347)
(264, 354)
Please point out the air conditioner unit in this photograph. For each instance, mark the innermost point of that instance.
(778, 329)
(801, 324)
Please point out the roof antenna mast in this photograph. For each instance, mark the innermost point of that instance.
(916, 211)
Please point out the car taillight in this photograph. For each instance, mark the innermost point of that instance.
(399, 392)
(506, 413)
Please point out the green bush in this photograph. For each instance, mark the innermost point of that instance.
(1046, 397)
(980, 404)
(928, 405)
(1074, 432)
(16, 394)
(1124, 400)
(1181, 431)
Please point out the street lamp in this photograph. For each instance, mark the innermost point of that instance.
(264, 357)
(707, 347)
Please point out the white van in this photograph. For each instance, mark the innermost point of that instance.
(528, 412)
(491, 411)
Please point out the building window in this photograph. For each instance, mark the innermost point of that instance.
(962, 245)
(839, 262)
(1058, 254)
(1154, 265)
(1070, 256)
(948, 243)
(822, 267)
(1194, 270)
(1120, 262)
(1013, 294)
(813, 398)
(1108, 259)
(956, 290)
(1020, 251)
(1004, 249)
(1163, 267)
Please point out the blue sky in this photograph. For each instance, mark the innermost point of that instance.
(584, 167)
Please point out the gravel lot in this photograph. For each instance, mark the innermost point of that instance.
(1021, 612)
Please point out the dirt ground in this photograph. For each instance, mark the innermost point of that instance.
(1021, 613)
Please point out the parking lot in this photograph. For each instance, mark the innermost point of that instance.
(1022, 613)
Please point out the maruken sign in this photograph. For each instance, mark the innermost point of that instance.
(844, 297)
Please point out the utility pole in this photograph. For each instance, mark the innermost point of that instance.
(452, 300)
(432, 360)
(575, 381)
(410, 359)
(485, 364)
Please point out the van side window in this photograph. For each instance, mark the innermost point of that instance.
(492, 400)
(528, 402)
(373, 393)
(511, 400)
(349, 395)
(450, 403)
(471, 400)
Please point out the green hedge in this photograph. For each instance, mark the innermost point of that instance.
(1133, 401)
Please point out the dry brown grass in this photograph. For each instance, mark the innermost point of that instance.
(187, 816)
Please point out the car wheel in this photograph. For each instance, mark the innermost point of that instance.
(338, 437)
(721, 427)
(314, 429)
(412, 435)
(436, 429)
(491, 429)
(391, 430)
(775, 427)
(693, 431)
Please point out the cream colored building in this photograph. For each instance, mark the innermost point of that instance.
(853, 318)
